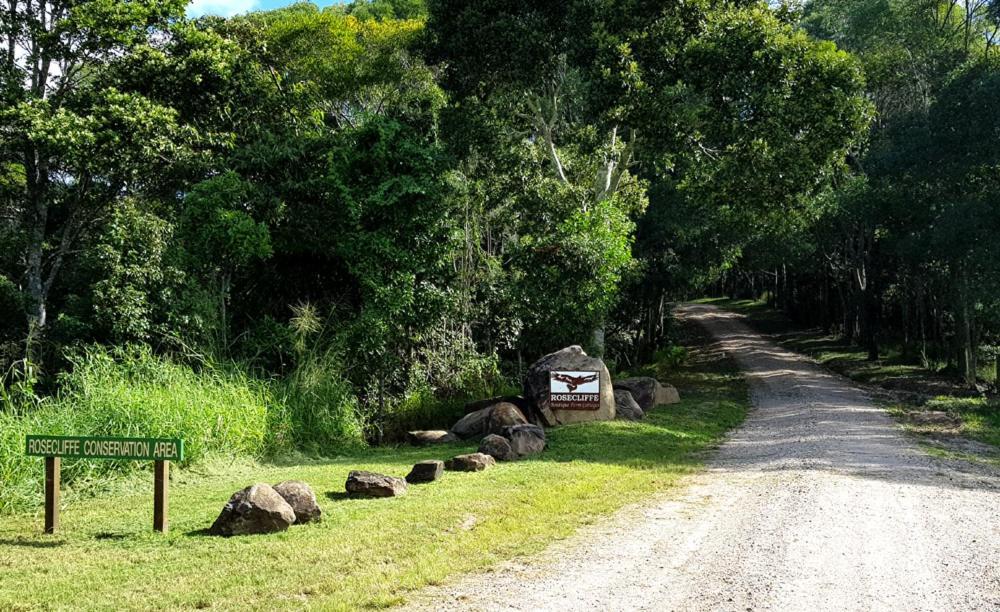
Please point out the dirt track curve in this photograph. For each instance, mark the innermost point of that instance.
(818, 502)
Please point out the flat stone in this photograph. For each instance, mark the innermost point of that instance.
(369, 484)
(426, 471)
(301, 498)
(475, 462)
(425, 438)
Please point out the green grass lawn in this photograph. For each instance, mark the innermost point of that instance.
(365, 553)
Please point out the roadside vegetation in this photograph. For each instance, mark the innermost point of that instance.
(311, 229)
(364, 553)
(934, 404)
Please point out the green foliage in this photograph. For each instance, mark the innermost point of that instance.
(384, 10)
(130, 392)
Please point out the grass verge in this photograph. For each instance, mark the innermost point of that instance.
(365, 553)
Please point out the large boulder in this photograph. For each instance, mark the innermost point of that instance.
(570, 359)
(525, 439)
(301, 498)
(626, 407)
(424, 438)
(426, 471)
(474, 424)
(648, 392)
(255, 509)
(504, 415)
(475, 462)
(498, 447)
(369, 484)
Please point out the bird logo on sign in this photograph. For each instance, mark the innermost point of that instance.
(573, 382)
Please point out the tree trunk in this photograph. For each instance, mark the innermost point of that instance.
(35, 192)
(966, 334)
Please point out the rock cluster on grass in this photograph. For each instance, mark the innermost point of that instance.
(648, 392)
(426, 471)
(302, 500)
(626, 407)
(474, 462)
(255, 509)
(369, 484)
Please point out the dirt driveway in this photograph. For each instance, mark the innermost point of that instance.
(818, 502)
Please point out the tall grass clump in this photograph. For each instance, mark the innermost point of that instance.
(131, 392)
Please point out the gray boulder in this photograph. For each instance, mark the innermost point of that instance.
(626, 406)
(503, 415)
(648, 392)
(474, 424)
(537, 381)
(475, 462)
(426, 471)
(525, 439)
(498, 447)
(301, 498)
(369, 484)
(425, 438)
(255, 509)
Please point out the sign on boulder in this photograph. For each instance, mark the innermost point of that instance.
(569, 386)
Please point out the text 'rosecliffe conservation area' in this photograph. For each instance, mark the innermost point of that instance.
(139, 449)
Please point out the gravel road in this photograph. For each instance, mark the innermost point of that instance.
(818, 502)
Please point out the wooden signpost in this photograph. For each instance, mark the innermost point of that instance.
(161, 451)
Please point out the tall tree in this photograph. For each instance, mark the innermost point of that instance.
(73, 138)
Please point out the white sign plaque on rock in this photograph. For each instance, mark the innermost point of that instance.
(575, 390)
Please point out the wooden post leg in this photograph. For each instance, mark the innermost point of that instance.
(161, 501)
(52, 466)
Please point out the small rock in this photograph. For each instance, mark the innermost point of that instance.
(370, 484)
(497, 447)
(625, 406)
(504, 415)
(426, 471)
(475, 462)
(424, 438)
(473, 425)
(525, 439)
(255, 509)
(301, 498)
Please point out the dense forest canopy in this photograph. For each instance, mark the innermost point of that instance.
(412, 199)
(903, 248)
